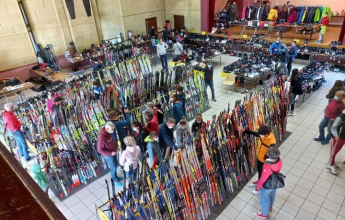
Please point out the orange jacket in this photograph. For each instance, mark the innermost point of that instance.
(262, 149)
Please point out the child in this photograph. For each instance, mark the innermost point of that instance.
(160, 113)
(40, 177)
(130, 156)
(153, 150)
(324, 24)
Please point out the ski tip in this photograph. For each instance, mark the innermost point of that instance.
(61, 195)
(69, 191)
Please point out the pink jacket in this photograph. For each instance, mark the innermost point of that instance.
(268, 169)
(11, 121)
(130, 156)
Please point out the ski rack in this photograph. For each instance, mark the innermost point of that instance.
(204, 173)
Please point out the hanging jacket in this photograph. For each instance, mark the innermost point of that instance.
(317, 15)
(270, 167)
(244, 13)
(326, 9)
(39, 176)
(182, 135)
(153, 150)
(292, 17)
(300, 14)
(130, 156)
(304, 14)
(273, 15)
(264, 13)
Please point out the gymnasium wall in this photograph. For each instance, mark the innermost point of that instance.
(336, 5)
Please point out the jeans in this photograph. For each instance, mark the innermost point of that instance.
(320, 37)
(292, 106)
(153, 41)
(135, 178)
(21, 143)
(112, 163)
(326, 122)
(266, 199)
(289, 66)
(164, 61)
(212, 88)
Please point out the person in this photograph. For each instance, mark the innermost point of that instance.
(178, 49)
(97, 89)
(338, 132)
(96, 65)
(107, 146)
(209, 79)
(281, 70)
(13, 125)
(152, 33)
(197, 124)
(284, 55)
(275, 47)
(165, 34)
(160, 113)
(166, 135)
(234, 10)
(130, 157)
(162, 53)
(151, 106)
(224, 14)
(183, 133)
(338, 85)
(151, 122)
(324, 23)
(296, 88)
(182, 96)
(272, 17)
(121, 126)
(177, 111)
(153, 150)
(292, 52)
(139, 134)
(40, 177)
(266, 140)
(273, 165)
(228, 10)
(333, 109)
(282, 16)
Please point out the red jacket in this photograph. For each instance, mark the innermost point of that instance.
(268, 169)
(334, 108)
(152, 125)
(11, 121)
(325, 21)
(106, 143)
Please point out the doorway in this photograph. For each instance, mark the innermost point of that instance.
(178, 22)
(149, 22)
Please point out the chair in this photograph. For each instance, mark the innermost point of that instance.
(230, 80)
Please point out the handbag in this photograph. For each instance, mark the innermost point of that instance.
(274, 181)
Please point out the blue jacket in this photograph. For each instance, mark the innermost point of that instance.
(300, 14)
(97, 91)
(274, 46)
(182, 98)
(177, 111)
(120, 127)
(165, 137)
(292, 53)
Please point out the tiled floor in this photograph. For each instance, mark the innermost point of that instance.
(311, 191)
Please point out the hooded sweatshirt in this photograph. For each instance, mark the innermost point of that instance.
(11, 121)
(106, 143)
(130, 156)
(269, 168)
(39, 176)
(334, 108)
(153, 150)
(182, 135)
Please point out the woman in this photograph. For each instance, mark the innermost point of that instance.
(273, 164)
(153, 150)
(282, 16)
(139, 134)
(296, 89)
(183, 133)
(338, 85)
(266, 140)
(130, 157)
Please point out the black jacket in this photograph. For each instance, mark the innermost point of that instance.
(152, 32)
(140, 139)
(208, 75)
(165, 33)
(166, 137)
(196, 126)
(296, 85)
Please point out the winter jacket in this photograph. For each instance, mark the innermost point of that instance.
(122, 126)
(282, 70)
(182, 98)
(152, 125)
(317, 15)
(334, 108)
(39, 176)
(177, 111)
(106, 143)
(292, 53)
(273, 15)
(263, 144)
(284, 56)
(178, 49)
(304, 14)
(152, 32)
(208, 75)
(152, 151)
(130, 156)
(162, 48)
(292, 17)
(282, 15)
(274, 46)
(165, 33)
(97, 91)
(300, 12)
(182, 135)
(270, 167)
(166, 137)
(325, 21)
(196, 126)
(11, 121)
(296, 85)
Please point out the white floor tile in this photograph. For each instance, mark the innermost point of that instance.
(305, 215)
(311, 207)
(290, 208)
(331, 206)
(282, 215)
(243, 216)
(230, 212)
(315, 198)
(326, 214)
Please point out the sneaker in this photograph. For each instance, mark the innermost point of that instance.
(291, 114)
(254, 184)
(325, 142)
(329, 167)
(256, 192)
(214, 100)
(333, 170)
(319, 139)
(118, 184)
(260, 215)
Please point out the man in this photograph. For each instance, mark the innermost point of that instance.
(197, 124)
(275, 47)
(182, 96)
(107, 146)
(228, 9)
(178, 49)
(121, 126)
(166, 135)
(12, 125)
(153, 35)
(324, 23)
(292, 55)
(165, 34)
(97, 65)
(151, 121)
(162, 53)
(177, 111)
(209, 79)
